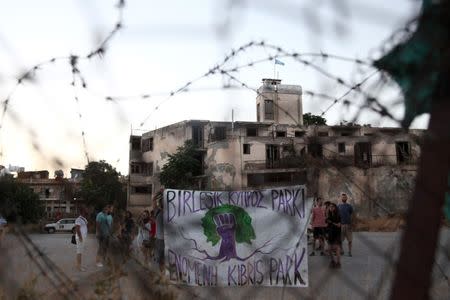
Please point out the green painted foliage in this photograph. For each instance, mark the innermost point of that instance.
(244, 229)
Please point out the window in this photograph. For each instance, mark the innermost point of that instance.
(145, 189)
(268, 110)
(363, 154)
(345, 134)
(272, 156)
(299, 133)
(147, 145)
(136, 143)
(252, 131)
(323, 133)
(281, 133)
(341, 148)
(197, 135)
(246, 149)
(403, 150)
(47, 193)
(135, 168)
(315, 150)
(368, 134)
(219, 133)
(257, 112)
(149, 169)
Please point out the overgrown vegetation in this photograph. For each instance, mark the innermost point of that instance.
(18, 202)
(310, 119)
(182, 167)
(100, 186)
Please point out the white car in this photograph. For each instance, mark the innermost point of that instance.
(62, 225)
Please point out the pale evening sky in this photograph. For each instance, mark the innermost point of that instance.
(163, 45)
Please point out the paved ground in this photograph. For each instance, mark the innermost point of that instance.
(367, 273)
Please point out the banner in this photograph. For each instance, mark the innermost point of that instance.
(237, 238)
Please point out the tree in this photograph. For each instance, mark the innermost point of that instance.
(179, 171)
(310, 119)
(101, 186)
(18, 202)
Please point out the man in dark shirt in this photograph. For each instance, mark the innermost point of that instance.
(345, 212)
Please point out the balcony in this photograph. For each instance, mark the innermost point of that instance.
(283, 163)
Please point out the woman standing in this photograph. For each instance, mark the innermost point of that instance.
(126, 233)
(144, 235)
(80, 237)
(334, 235)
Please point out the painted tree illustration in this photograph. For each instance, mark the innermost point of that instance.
(228, 223)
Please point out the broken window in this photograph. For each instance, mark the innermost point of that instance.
(268, 110)
(315, 150)
(281, 133)
(219, 133)
(341, 148)
(147, 145)
(299, 133)
(257, 112)
(136, 143)
(252, 131)
(197, 135)
(272, 156)
(403, 150)
(47, 193)
(149, 169)
(135, 168)
(323, 133)
(363, 154)
(246, 149)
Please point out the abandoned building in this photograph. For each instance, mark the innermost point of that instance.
(376, 167)
(58, 194)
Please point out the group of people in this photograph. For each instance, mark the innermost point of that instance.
(147, 231)
(332, 225)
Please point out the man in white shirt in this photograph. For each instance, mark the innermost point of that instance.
(81, 231)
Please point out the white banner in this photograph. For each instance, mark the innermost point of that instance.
(237, 238)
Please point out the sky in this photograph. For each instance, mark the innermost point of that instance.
(162, 46)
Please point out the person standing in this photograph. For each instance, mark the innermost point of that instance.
(126, 233)
(334, 235)
(103, 233)
(81, 231)
(144, 235)
(159, 243)
(346, 212)
(318, 223)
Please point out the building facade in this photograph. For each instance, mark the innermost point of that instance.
(363, 161)
(57, 194)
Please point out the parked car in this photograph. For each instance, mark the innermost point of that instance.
(61, 225)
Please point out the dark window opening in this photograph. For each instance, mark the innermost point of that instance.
(197, 135)
(147, 145)
(135, 168)
(363, 154)
(281, 133)
(368, 134)
(299, 133)
(246, 149)
(219, 133)
(345, 134)
(149, 169)
(323, 133)
(403, 150)
(272, 156)
(136, 143)
(315, 150)
(252, 131)
(341, 148)
(145, 189)
(47, 193)
(199, 156)
(256, 180)
(258, 118)
(268, 110)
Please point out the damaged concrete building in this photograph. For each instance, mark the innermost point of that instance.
(376, 167)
